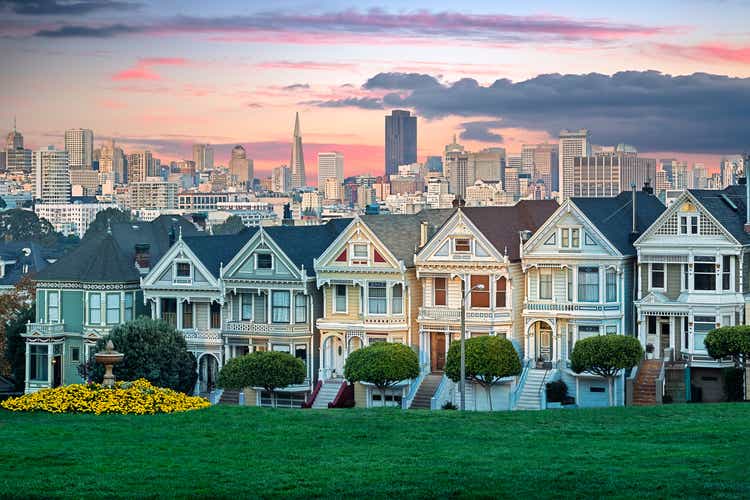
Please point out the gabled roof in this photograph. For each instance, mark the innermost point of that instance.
(303, 244)
(217, 250)
(715, 201)
(401, 233)
(613, 217)
(502, 225)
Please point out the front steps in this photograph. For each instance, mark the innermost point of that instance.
(644, 387)
(530, 397)
(229, 398)
(423, 398)
(327, 393)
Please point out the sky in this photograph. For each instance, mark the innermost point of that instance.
(671, 77)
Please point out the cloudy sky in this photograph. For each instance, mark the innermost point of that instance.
(670, 77)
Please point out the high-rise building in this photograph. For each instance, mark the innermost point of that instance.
(667, 165)
(152, 194)
(732, 168)
(17, 158)
(400, 140)
(332, 189)
(489, 164)
(112, 162)
(330, 166)
(635, 170)
(541, 161)
(662, 182)
(572, 144)
(297, 163)
(596, 176)
(457, 168)
(365, 197)
(140, 166)
(514, 161)
(79, 143)
(527, 158)
(281, 179)
(434, 164)
(51, 175)
(203, 156)
(681, 179)
(512, 184)
(700, 176)
(241, 167)
(3, 158)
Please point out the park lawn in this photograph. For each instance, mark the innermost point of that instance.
(671, 450)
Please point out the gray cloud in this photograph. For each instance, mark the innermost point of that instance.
(653, 111)
(297, 86)
(482, 131)
(401, 81)
(350, 102)
(72, 31)
(58, 7)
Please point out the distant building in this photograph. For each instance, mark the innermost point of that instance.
(572, 144)
(365, 197)
(51, 175)
(281, 179)
(86, 180)
(140, 166)
(732, 168)
(457, 168)
(297, 162)
(203, 156)
(434, 164)
(330, 166)
(332, 189)
(487, 194)
(400, 140)
(79, 143)
(112, 162)
(17, 158)
(488, 164)
(241, 167)
(152, 194)
(71, 218)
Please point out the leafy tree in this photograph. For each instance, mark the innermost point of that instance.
(488, 360)
(232, 225)
(382, 365)
(270, 370)
(16, 309)
(733, 342)
(19, 225)
(106, 217)
(606, 356)
(2, 203)
(153, 350)
(15, 346)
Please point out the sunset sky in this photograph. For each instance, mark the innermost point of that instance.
(670, 77)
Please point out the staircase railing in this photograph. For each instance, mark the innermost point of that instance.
(542, 392)
(316, 390)
(344, 397)
(660, 384)
(435, 400)
(521, 382)
(414, 387)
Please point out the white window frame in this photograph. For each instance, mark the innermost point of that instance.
(566, 237)
(387, 298)
(463, 252)
(88, 308)
(651, 273)
(182, 279)
(59, 306)
(358, 260)
(689, 219)
(545, 271)
(336, 310)
(257, 254)
(118, 296)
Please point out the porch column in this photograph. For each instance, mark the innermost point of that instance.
(50, 369)
(179, 313)
(157, 307)
(26, 376)
(226, 353)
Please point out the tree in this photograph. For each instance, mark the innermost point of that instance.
(15, 346)
(16, 309)
(734, 342)
(153, 350)
(2, 203)
(270, 370)
(488, 360)
(24, 225)
(382, 364)
(606, 356)
(105, 218)
(232, 225)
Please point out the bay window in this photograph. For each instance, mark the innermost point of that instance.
(587, 331)
(704, 273)
(588, 284)
(501, 292)
(280, 304)
(39, 362)
(113, 308)
(397, 299)
(377, 298)
(215, 315)
(701, 326)
(657, 276)
(95, 309)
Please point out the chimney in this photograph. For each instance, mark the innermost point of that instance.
(458, 202)
(423, 233)
(647, 187)
(143, 255)
(287, 220)
(634, 229)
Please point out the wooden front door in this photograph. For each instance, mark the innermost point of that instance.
(664, 336)
(437, 352)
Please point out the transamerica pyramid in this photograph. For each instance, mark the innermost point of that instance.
(297, 162)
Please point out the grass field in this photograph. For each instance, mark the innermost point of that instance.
(672, 450)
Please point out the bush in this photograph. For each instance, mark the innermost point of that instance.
(606, 356)
(153, 350)
(139, 397)
(449, 406)
(267, 369)
(382, 365)
(556, 391)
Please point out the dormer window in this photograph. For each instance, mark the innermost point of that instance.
(182, 270)
(462, 245)
(263, 261)
(688, 224)
(360, 253)
(570, 237)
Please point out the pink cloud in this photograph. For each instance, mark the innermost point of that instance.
(305, 65)
(708, 52)
(143, 68)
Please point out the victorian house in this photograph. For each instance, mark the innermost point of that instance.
(252, 291)
(370, 294)
(579, 269)
(692, 278)
(88, 291)
(474, 257)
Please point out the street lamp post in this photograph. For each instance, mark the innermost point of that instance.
(462, 383)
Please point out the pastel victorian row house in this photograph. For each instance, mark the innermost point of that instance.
(694, 265)
(91, 289)
(252, 291)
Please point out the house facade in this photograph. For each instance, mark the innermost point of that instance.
(693, 265)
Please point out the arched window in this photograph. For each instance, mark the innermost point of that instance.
(501, 292)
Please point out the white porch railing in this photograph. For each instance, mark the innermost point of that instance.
(572, 307)
(454, 314)
(45, 328)
(266, 329)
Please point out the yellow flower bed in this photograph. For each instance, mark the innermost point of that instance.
(139, 398)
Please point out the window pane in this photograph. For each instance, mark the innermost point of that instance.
(246, 310)
(726, 273)
(39, 362)
(657, 275)
(588, 284)
(183, 269)
(704, 276)
(340, 303)
(113, 308)
(300, 308)
(545, 284)
(360, 251)
(397, 299)
(187, 315)
(128, 302)
(480, 294)
(611, 286)
(265, 261)
(576, 238)
(500, 296)
(462, 245)
(440, 291)
(95, 309)
(377, 298)
(215, 311)
(280, 307)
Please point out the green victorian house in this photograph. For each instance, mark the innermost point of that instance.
(83, 295)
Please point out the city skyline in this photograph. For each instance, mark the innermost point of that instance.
(146, 87)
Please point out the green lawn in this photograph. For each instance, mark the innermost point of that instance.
(673, 450)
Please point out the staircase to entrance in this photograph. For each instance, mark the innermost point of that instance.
(327, 393)
(423, 397)
(530, 397)
(644, 387)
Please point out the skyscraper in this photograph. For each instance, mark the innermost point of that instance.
(572, 144)
(241, 167)
(732, 168)
(281, 181)
(297, 162)
(112, 162)
(330, 166)
(140, 166)
(434, 164)
(17, 158)
(51, 175)
(400, 140)
(458, 169)
(79, 143)
(203, 156)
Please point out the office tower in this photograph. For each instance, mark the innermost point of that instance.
(332, 189)
(700, 176)
(489, 164)
(281, 179)
(635, 170)
(297, 163)
(667, 166)
(51, 175)
(596, 176)
(732, 168)
(140, 166)
(680, 178)
(662, 182)
(572, 144)
(241, 167)
(514, 161)
(541, 162)
(84, 180)
(330, 166)
(203, 156)
(527, 158)
(365, 197)
(434, 164)
(152, 194)
(17, 158)
(112, 162)
(457, 168)
(511, 183)
(3, 164)
(400, 140)
(79, 143)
